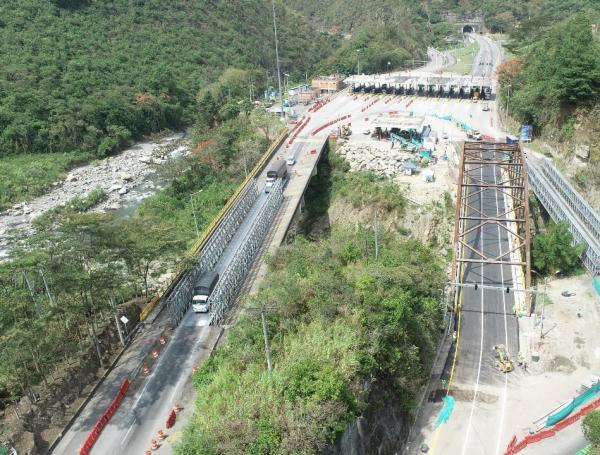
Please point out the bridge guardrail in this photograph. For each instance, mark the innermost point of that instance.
(212, 227)
(543, 189)
(586, 214)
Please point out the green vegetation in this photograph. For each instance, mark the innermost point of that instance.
(386, 31)
(553, 251)
(591, 430)
(342, 319)
(464, 59)
(93, 76)
(554, 75)
(92, 262)
(25, 176)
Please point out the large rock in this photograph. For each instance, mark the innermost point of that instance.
(123, 191)
(126, 177)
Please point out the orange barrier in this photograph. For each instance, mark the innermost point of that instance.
(332, 122)
(171, 419)
(93, 435)
(514, 447)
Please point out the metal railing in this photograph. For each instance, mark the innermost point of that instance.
(555, 204)
(181, 278)
(232, 279)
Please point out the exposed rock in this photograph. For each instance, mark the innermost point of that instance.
(123, 190)
(126, 177)
(71, 178)
(115, 187)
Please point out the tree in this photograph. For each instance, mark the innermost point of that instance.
(591, 431)
(553, 250)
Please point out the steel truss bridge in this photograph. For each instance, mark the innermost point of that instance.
(496, 172)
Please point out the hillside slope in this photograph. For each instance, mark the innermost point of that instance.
(91, 75)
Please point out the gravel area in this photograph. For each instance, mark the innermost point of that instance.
(119, 176)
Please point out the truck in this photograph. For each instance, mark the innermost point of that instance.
(278, 171)
(526, 133)
(202, 292)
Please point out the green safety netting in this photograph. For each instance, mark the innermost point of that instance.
(596, 282)
(579, 400)
(3, 450)
(450, 118)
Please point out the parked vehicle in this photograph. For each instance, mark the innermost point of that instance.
(290, 160)
(485, 107)
(278, 171)
(202, 292)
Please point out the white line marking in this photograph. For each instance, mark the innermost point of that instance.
(469, 425)
(127, 434)
(505, 390)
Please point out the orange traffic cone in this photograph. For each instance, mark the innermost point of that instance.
(176, 408)
(162, 340)
(161, 435)
(154, 354)
(153, 444)
(146, 369)
(148, 452)
(194, 369)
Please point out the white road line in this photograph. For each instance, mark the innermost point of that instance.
(127, 434)
(505, 391)
(470, 423)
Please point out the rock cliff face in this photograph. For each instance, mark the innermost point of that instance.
(382, 429)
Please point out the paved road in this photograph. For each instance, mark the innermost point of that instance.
(488, 57)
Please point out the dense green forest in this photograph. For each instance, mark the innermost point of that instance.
(70, 278)
(386, 31)
(342, 318)
(92, 76)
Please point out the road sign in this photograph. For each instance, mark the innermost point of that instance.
(124, 320)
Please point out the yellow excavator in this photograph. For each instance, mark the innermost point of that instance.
(503, 360)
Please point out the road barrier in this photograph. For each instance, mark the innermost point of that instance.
(213, 226)
(515, 447)
(93, 435)
(328, 124)
(171, 419)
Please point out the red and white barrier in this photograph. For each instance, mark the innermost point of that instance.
(93, 435)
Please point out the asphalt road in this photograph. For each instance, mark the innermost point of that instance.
(488, 57)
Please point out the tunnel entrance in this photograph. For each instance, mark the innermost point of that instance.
(468, 29)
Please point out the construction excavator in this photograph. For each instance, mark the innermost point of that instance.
(503, 360)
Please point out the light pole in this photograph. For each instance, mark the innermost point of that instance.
(507, 99)
(263, 311)
(545, 278)
(277, 59)
(194, 211)
(388, 66)
(358, 61)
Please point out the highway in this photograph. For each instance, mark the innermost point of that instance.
(146, 406)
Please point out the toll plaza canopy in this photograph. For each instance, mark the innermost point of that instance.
(420, 80)
(401, 121)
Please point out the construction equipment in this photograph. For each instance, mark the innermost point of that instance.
(345, 131)
(503, 360)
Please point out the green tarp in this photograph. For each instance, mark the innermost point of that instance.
(579, 400)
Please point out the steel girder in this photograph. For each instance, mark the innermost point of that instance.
(180, 298)
(232, 279)
(514, 219)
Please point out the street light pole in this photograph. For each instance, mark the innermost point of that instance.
(194, 212)
(358, 61)
(277, 59)
(263, 311)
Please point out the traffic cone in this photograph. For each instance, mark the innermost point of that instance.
(194, 369)
(161, 435)
(176, 408)
(146, 369)
(154, 354)
(162, 340)
(153, 444)
(148, 452)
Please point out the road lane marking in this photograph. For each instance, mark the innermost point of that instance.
(505, 390)
(470, 423)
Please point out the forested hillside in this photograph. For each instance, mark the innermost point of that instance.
(385, 31)
(91, 75)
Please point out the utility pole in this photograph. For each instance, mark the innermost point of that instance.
(358, 61)
(277, 59)
(263, 311)
(50, 299)
(194, 212)
(376, 229)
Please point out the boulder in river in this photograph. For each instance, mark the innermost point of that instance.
(123, 191)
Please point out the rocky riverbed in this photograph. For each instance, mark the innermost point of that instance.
(126, 178)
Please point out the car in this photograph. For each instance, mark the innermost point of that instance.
(366, 132)
(445, 135)
(567, 294)
(290, 160)
(485, 107)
